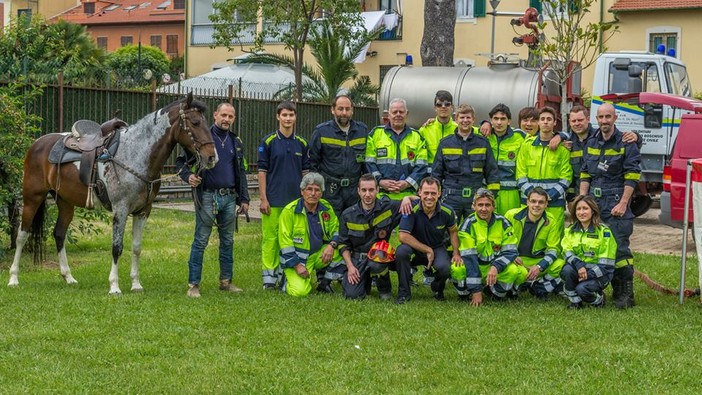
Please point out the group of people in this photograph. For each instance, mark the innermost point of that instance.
(481, 207)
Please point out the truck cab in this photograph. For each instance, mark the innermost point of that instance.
(643, 72)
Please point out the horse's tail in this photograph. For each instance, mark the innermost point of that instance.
(36, 241)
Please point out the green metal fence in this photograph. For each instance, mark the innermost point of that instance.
(59, 107)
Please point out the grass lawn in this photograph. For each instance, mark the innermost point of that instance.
(77, 339)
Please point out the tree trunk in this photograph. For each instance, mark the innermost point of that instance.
(439, 30)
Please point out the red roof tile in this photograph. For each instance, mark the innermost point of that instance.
(647, 5)
(127, 12)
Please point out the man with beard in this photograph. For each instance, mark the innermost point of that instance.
(610, 172)
(338, 152)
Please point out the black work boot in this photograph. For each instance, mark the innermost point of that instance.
(625, 285)
(324, 286)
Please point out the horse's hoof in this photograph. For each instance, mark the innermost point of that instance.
(137, 290)
(13, 284)
(70, 280)
(115, 293)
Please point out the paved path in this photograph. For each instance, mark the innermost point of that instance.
(649, 236)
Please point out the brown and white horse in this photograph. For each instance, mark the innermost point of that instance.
(131, 178)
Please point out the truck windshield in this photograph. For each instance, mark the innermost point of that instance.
(679, 83)
(621, 82)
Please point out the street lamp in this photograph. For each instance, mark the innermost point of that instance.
(493, 4)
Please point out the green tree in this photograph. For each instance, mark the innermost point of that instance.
(289, 22)
(335, 68)
(129, 63)
(573, 40)
(38, 50)
(17, 131)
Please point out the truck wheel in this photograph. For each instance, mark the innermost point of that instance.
(640, 204)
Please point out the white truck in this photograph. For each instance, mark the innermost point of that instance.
(630, 72)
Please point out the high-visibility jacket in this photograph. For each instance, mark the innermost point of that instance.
(294, 233)
(538, 165)
(505, 149)
(390, 156)
(466, 163)
(547, 238)
(610, 165)
(593, 248)
(338, 154)
(433, 133)
(490, 242)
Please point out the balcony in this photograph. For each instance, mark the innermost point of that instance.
(394, 21)
(202, 34)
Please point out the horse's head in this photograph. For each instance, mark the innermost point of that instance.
(190, 130)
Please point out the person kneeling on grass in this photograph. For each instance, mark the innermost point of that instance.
(590, 250)
(307, 233)
(488, 248)
(539, 243)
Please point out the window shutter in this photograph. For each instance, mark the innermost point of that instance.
(479, 8)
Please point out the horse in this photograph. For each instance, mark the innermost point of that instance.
(131, 178)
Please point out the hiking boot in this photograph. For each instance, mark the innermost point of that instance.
(193, 291)
(440, 296)
(402, 299)
(269, 287)
(575, 306)
(226, 285)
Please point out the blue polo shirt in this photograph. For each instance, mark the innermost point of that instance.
(429, 231)
(283, 159)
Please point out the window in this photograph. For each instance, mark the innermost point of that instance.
(384, 70)
(561, 9)
(464, 9)
(621, 82)
(178, 4)
(156, 41)
(102, 42)
(89, 8)
(678, 82)
(670, 40)
(172, 45)
(389, 5)
(202, 27)
(125, 40)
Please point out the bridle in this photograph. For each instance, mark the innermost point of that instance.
(183, 126)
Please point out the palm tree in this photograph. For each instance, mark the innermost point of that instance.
(335, 67)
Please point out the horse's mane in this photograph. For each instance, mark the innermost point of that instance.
(200, 106)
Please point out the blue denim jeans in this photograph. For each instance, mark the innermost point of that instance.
(205, 219)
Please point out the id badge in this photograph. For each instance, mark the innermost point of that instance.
(602, 166)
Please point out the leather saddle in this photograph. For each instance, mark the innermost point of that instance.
(89, 143)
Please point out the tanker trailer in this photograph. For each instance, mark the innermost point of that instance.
(481, 87)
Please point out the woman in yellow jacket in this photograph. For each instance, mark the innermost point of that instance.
(589, 249)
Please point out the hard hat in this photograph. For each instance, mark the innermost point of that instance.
(381, 252)
(458, 273)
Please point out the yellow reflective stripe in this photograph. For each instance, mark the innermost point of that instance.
(353, 226)
(270, 138)
(612, 152)
(382, 217)
(477, 169)
(584, 176)
(476, 151)
(300, 139)
(494, 187)
(576, 154)
(632, 176)
(593, 151)
(359, 141)
(333, 141)
(452, 151)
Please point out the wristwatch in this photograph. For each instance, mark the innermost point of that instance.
(333, 244)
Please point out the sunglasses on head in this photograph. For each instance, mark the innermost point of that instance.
(443, 104)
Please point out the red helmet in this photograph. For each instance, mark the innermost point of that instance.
(381, 252)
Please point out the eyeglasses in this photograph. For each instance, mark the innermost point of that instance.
(443, 104)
